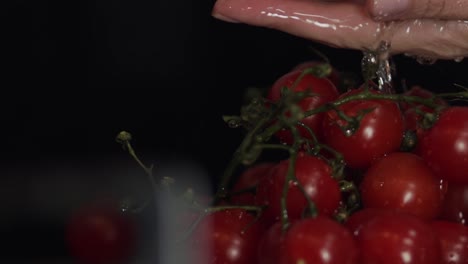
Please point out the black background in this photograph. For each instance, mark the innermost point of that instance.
(75, 73)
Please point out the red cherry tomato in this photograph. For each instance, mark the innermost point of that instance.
(445, 146)
(271, 245)
(100, 233)
(398, 238)
(455, 204)
(324, 90)
(319, 240)
(226, 236)
(249, 179)
(453, 238)
(334, 76)
(423, 93)
(314, 174)
(380, 131)
(413, 114)
(402, 181)
(361, 217)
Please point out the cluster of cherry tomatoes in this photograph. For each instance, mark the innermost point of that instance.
(370, 177)
(367, 176)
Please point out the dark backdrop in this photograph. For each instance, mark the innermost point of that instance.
(75, 73)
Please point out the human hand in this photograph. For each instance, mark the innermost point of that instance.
(432, 29)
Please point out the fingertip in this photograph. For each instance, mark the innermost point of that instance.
(223, 17)
(228, 11)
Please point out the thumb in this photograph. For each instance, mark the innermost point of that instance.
(385, 10)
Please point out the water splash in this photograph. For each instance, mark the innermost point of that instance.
(375, 64)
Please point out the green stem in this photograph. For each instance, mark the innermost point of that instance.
(148, 170)
(250, 189)
(227, 175)
(274, 147)
(291, 177)
(214, 209)
(252, 136)
(367, 95)
(124, 139)
(284, 196)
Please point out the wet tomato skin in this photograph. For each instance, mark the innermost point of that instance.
(315, 176)
(421, 92)
(334, 76)
(402, 181)
(455, 204)
(319, 240)
(445, 146)
(453, 240)
(398, 238)
(380, 130)
(271, 246)
(360, 218)
(324, 91)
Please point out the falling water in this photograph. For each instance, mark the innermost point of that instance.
(376, 64)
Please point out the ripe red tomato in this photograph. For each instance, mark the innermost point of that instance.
(227, 236)
(271, 245)
(455, 204)
(402, 181)
(423, 93)
(334, 76)
(453, 238)
(249, 179)
(398, 238)
(314, 174)
(325, 92)
(319, 240)
(361, 217)
(445, 146)
(99, 233)
(413, 114)
(380, 131)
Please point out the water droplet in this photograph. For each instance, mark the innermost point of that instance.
(349, 132)
(458, 59)
(424, 60)
(233, 123)
(369, 65)
(125, 205)
(452, 256)
(222, 192)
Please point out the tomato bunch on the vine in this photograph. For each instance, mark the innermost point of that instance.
(367, 176)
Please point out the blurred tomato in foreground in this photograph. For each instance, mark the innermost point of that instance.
(99, 233)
